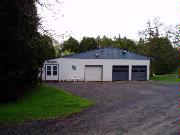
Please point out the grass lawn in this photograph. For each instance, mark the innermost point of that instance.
(42, 103)
(166, 78)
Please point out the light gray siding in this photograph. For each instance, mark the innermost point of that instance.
(67, 73)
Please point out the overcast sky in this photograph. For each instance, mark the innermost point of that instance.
(80, 18)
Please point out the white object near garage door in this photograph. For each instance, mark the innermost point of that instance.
(93, 73)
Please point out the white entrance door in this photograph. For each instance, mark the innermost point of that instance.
(52, 72)
(93, 73)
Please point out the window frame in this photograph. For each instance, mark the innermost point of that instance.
(48, 70)
(46, 65)
(54, 70)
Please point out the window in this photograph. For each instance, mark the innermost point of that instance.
(51, 70)
(54, 70)
(48, 70)
(54, 67)
(48, 67)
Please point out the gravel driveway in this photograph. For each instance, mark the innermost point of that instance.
(122, 108)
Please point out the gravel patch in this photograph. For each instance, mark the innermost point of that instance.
(122, 108)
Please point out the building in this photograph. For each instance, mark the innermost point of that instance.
(107, 64)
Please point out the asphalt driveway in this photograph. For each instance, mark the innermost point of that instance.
(122, 108)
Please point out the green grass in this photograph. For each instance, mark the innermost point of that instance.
(166, 78)
(42, 103)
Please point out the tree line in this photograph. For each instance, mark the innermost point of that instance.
(160, 49)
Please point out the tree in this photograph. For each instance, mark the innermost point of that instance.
(18, 31)
(157, 41)
(106, 42)
(118, 41)
(172, 33)
(58, 49)
(98, 41)
(44, 49)
(126, 44)
(142, 47)
(22, 49)
(163, 55)
(153, 29)
(70, 45)
(87, 43)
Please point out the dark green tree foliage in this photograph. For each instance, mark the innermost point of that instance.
(98, 41)
(142, 47)
(71, 45)
(126, 44)
(164, 55)
(87, 43)
(104, 42)
(44, 49)
(18, 30)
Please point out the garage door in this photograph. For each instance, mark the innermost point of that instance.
(120, 73)
(139, 73)
(93, 73)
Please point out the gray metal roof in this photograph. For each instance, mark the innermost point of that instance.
(108, 53)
